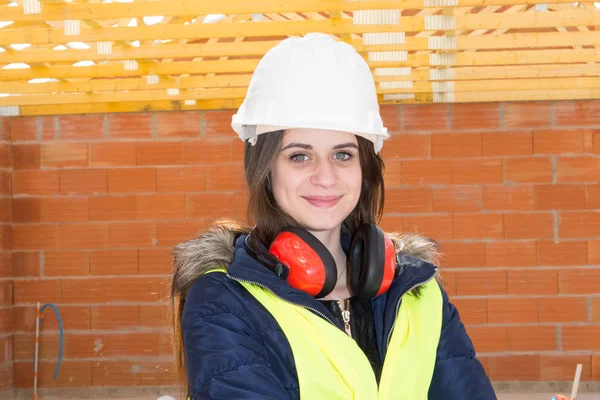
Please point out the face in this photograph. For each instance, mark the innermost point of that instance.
(316, 178)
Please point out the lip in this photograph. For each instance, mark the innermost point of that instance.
(322, 201)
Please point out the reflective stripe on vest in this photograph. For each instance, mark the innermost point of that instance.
(330, 365)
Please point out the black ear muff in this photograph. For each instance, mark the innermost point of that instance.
(366, 261)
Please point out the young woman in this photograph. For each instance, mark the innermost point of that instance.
(314, 300)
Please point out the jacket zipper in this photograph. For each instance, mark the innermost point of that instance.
(281, 298)
(398, 309)
(345, 315)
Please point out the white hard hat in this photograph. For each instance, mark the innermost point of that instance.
(311, 82)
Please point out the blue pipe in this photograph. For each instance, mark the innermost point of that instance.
(60, 327)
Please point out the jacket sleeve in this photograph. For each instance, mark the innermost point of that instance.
(225, 356)
(458, 374)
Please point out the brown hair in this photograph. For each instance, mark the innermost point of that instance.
(269, 219)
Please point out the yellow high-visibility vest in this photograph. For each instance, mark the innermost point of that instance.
(330, 364)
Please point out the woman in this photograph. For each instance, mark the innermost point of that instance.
(314, 301)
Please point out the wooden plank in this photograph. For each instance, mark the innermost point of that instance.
(259, 48)
(281, 28)
(82, 11)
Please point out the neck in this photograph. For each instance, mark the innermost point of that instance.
(332, 241)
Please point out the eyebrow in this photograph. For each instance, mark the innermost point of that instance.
(309, 147)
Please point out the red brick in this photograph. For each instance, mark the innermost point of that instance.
(155, 315)
(578, 169)
(559, 197)
(528, 170)
(449, 145)
(594, 252)
(5, 182)
(498, 144)
(6, 261)
(5, 155)
(26, 156)
(585, 338)
(88, 290)
(407, 146)
(558, 141)
(579, 224)
(181, 179)
(131, 180)
(563, 309)
(179, 124)
(588, 139)
(478, 226)
(5, 129)
(83, 181)
(6, 320)
(457, 199)
(5, 210)
(475, 116)
(131, 234)
(130, 126)
(562, 367)
(81, 127)
(6, 293)
(225, 178)
(579, 281)
(72, 374)
(161, 206)
(488, 339)
(142, 289)
(115, 317)
(595, 367)
(596, 143)
(407, 200)
(113, 208)
(34, 237)
(577, 113)
(72, 317)
(462, 254)
(392, 174)
(83, 236)
(66, 263)
(112, 154)
(390, 114)
(472, 311)
(64, 209)
(527, 114)
(159, 153)
(41, 183)
(474, 171)
(6, 237)
(170, 233)
(439, 226)
(6, 343)
(392, 223)
(528, 225)
(218, 123)
(26, 209)
(595, 309)
(61, 155)
(32, 291)
(510, 254)
(532, 282)
(114, 262)
(593, 196)
(25, 264)
(532, 338)
(551, 253)
(426, 172)
(155, 261)
(508, 197)
(491, 282)
(26, 128)
(512, 310)
(208, 151)
(514, 367)
(424, 117)
(119, 373)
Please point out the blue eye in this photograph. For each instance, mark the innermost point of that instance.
(342, 156)
(298, 158)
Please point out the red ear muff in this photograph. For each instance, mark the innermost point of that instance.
(371, 262)
(311, 267)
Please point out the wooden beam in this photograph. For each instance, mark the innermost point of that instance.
(282, 28)
(138, 9)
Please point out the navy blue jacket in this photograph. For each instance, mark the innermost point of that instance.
(236, 350)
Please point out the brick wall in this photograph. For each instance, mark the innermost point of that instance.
(6, 328)
(510, 190)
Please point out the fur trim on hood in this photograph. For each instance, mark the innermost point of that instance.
(215, 248)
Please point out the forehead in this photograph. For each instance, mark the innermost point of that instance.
(318, 137)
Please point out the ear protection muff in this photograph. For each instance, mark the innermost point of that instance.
(371, 262)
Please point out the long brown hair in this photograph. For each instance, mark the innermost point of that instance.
(268, 219)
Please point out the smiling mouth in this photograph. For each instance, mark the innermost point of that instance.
(322, 201)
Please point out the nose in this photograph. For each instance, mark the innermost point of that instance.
(324, 174)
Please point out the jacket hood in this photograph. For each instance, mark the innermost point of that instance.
(215, 249)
